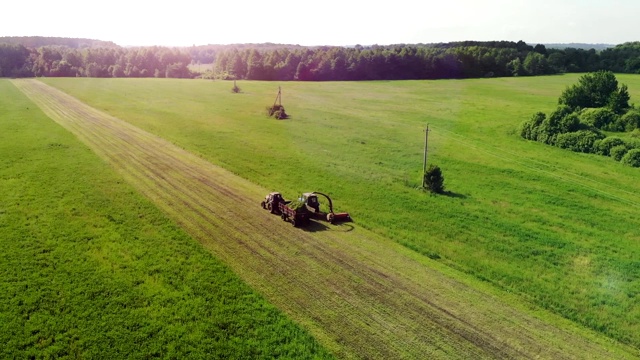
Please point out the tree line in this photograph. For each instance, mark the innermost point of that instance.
(16, 60)
(38, 41)
(455, 60)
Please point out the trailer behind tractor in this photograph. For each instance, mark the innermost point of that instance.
(298, 215)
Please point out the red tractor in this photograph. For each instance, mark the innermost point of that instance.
(271, 202)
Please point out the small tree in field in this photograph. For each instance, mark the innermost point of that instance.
(433, 179)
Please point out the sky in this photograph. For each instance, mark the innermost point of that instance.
(327, 22)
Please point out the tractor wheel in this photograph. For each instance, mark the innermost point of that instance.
(284, 217)
(269, 206)
(264, 206)
(294, 223)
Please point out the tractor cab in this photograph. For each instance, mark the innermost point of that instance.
(274, 197)
(272, 201)
(311, 201)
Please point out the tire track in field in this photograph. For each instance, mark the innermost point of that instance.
(360, 295)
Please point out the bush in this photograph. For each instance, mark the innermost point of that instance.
(433, 179)
(632, 144)
(569, 123)
(630, 121)
(560, 113)
(546, 129)
(596, 103)
(599, 118)
(560, 121)
(529, 129)
(277, 111)
(631, 158)
(603, 147)
(579, 141)
(617, 152)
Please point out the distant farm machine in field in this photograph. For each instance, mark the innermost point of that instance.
(277, 110)
(300, 211)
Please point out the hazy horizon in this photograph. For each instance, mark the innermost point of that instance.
(337, 23)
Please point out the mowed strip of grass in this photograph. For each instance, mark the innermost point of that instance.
(90, 269)
(556, 227)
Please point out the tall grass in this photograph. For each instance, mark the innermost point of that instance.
(557, 228)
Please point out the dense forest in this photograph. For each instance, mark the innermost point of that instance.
(26, 57)
(38, 41)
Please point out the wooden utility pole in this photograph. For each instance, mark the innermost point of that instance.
(424, 164)
(278, 98)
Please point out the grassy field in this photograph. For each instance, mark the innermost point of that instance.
(360, 294)
(91, 269)
(556, 228)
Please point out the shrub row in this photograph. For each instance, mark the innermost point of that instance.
(579, 132)
(586, 109)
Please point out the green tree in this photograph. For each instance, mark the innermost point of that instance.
(595, 90)
(177, 70)
(619, 100)
(516, 68)
(12, 59)
(433, 179)
(556, 62)
(535, 64)
(255, 67)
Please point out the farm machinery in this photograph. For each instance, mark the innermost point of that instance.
(296, 212)
(310, 200)
(300, 211)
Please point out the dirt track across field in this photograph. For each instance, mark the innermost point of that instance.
(360, 295)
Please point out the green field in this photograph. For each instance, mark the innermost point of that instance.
(91, 269)
(557, 228)
(536, 226)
